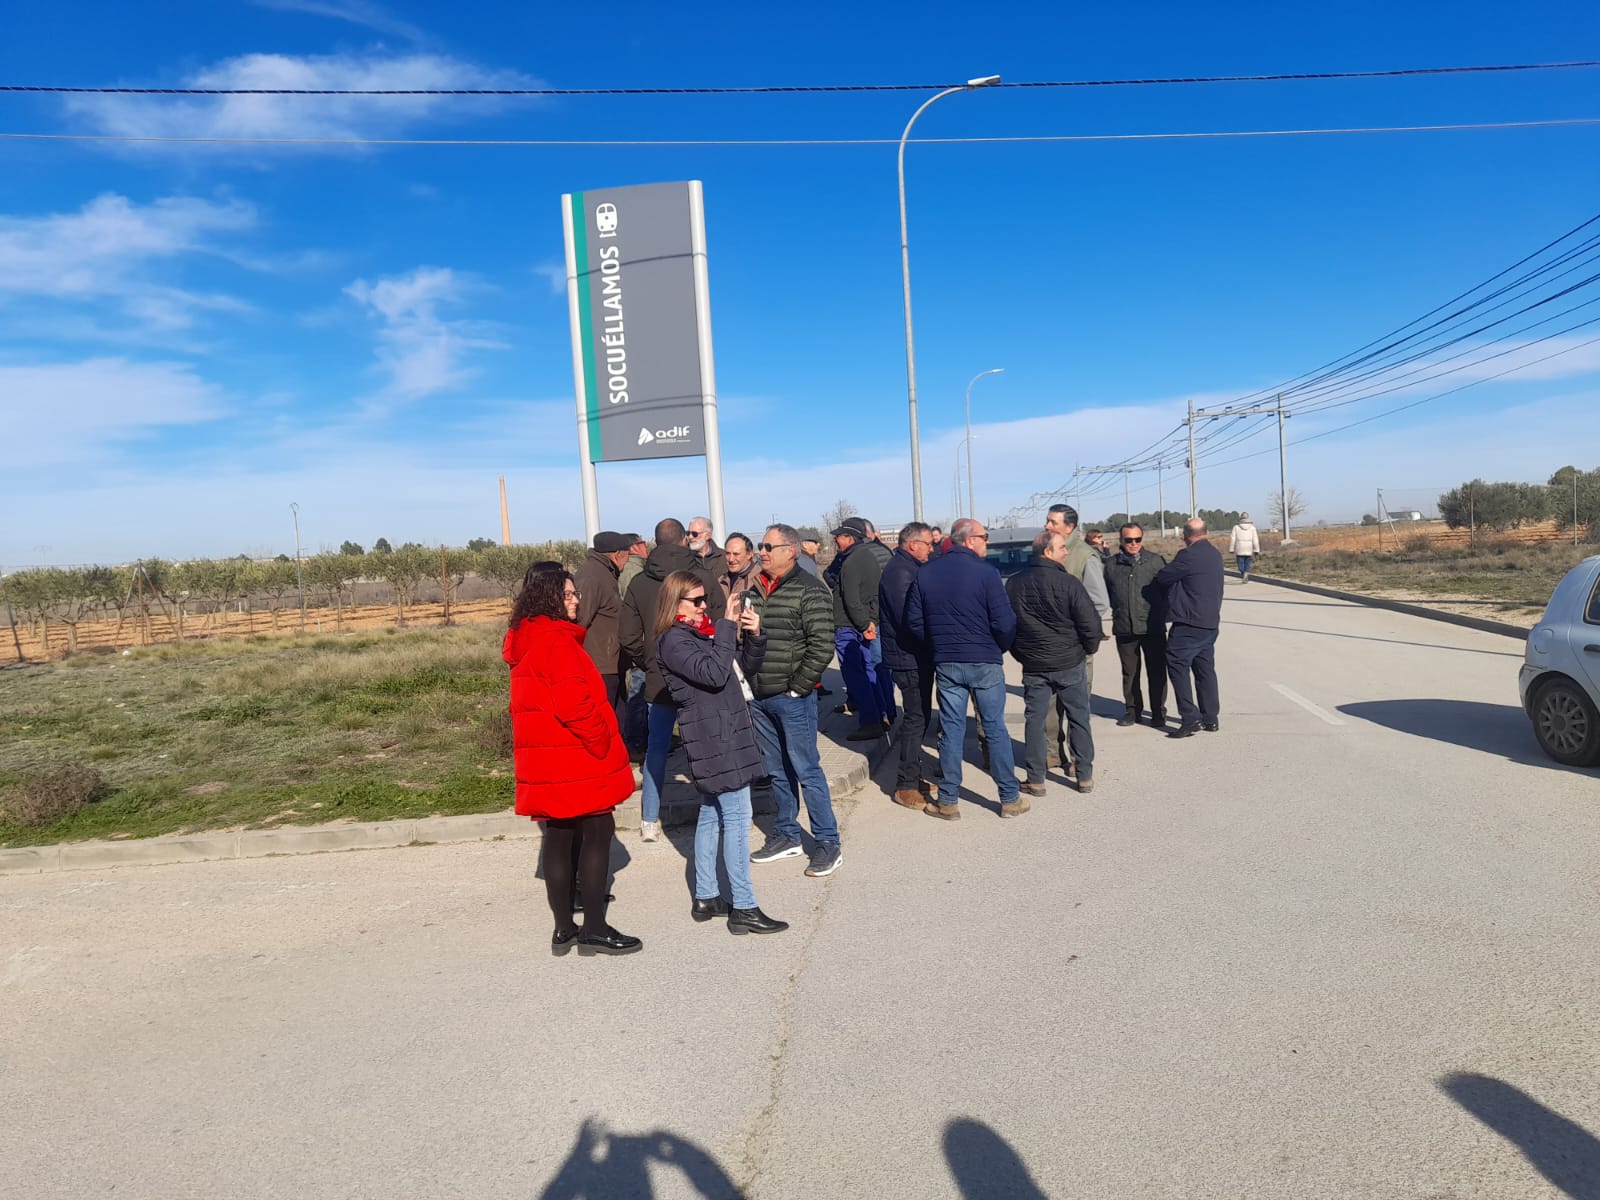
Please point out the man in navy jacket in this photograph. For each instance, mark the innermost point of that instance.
(910, 660)
(958, 608)
(1192, 582)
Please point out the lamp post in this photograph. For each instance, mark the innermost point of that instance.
(905, 279)
(972, 506)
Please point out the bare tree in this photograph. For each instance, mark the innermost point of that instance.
(835, 516)
(1296, 506)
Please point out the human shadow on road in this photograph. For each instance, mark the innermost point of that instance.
(608, 1166)
(984, 1165)
(1501, 729)
(1564, 1152)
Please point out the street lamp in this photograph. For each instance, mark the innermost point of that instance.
(905, 278)
(972, 507)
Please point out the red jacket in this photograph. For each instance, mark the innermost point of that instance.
(569, 754)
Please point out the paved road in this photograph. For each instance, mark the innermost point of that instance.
(1345, 948)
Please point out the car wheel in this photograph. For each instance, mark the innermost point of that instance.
(1566, 723)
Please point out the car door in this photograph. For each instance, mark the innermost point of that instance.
(1584, 631)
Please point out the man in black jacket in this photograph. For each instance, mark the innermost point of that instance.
(853, 575)
(1058, 628)
(1192, 584)
(909, 660)
(1137, 625)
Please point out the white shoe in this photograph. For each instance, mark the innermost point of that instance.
(649, 831)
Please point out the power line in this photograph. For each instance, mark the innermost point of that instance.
(758, 142)
(798, 89)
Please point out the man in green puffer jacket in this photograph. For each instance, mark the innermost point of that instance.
(797, 617)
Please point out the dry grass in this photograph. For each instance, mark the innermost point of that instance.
(48, 795)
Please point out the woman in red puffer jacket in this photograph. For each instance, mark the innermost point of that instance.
(572, 766)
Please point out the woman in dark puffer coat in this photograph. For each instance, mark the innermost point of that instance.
(571, 764)
(705, 667)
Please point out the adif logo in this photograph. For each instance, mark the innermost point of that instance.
(605, 219)
(678, 435)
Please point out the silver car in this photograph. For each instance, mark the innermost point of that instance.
(1560, 677)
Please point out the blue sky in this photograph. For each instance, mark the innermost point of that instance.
(193, 336)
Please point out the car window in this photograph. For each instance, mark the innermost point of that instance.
(1592, 613)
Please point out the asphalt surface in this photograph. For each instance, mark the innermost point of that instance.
(1346, 947)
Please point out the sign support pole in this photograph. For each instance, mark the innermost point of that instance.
(586, 471)
(708, 371)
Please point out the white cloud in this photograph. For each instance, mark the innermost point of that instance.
(555, 274)
(315, 117)
(356, 12)
(419, 350)
(111, 250)
(66, 414)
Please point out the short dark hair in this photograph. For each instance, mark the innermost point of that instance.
(910, 530)
(1069, 515)
(670, 532)
(748, 544)
(1132, 525)
(542, 595)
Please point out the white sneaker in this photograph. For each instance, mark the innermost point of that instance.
(649, 831)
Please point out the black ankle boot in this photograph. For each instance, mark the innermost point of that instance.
(753, 920)
(704, 910)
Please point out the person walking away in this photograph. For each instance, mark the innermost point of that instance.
(706, 664)
(882, 676)
(1084, 565)
(1058, 632)
(908, 660)
(671, 554)
(570, 764)
(1244, 543)
(1192, 588)
(797, 616)
(739, 555)
(853, 576)
(702, 543)
(959, 609)
(599, 610)
(1136, 623)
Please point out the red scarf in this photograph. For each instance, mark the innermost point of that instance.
(704, 625)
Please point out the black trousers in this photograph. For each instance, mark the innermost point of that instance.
(916, 705)
(1193, 650)
(1152, 647)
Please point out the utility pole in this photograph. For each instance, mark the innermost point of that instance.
(1283, 461)
(299, 579)
(505, 515)
(1194, 505)
(1161, 499)
(1283, 475)
(1574, 504)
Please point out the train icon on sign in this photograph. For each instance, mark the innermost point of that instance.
(605, 219)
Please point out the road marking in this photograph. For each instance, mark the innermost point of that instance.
(1321, 714)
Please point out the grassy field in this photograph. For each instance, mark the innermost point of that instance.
(1501, 578)
(261, 731)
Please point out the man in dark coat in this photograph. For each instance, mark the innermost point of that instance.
(671, 554)
(907, 659)
(703, 542)
(959, 610)
(797, 617)
(599, 609)
(1192, 586)
(1058, 630)
(853, 575)
(1137, 625)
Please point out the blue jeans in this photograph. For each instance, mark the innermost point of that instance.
(986, 683)
(786, 731)
(1244, 563)
(1068, 688)
(728, 813)
(661, 720)
(860, 684)
(884, 678)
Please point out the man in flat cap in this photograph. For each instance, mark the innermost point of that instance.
(599, 607)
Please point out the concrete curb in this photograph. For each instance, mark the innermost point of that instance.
(1482, 624)
(318, 839)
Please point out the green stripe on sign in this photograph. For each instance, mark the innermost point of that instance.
(591, 394)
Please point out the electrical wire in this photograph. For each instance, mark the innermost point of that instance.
(159, 139)
(801, 89)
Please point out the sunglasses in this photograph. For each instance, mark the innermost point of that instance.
(698, 601)
(770, 547)
(1127, 541)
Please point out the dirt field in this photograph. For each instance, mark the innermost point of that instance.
(111, 636)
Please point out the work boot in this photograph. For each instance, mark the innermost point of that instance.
(945, 812)
(909, 798)
(1033, 789)
(1016, 807)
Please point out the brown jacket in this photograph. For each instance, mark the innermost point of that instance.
(599, 606)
